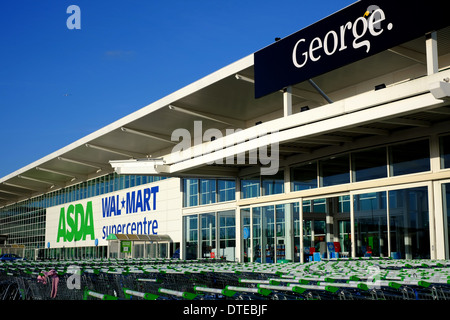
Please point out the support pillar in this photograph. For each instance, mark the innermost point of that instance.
(432, 53)
(287, 101)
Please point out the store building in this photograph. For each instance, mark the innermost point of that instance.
(335, 138)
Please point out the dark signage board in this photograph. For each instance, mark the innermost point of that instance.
(358, 31)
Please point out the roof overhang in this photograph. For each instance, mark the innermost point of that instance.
(139, 237)
(423, 94)
(148, 140)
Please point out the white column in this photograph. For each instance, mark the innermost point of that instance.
(432, 53)
(287, 101)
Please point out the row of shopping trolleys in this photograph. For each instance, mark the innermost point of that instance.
(333, 279)
(297, 289)
(327, 280)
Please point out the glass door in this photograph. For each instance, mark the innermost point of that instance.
(191, 236)
(268, 234)
(208, 235)
(326, 227)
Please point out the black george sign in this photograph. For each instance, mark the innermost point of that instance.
(353, 33)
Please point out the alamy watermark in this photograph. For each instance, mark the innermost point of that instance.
(74, 281)
(229, 146)
(74, 20)
(374, 277)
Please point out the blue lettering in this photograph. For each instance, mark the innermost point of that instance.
(155, 190)
(131, 202)
(139, 201)
(145, 224)
(154, 227)
(149, 225)
(112, 206)
(118, 210)
(106, 207)
(147, 199)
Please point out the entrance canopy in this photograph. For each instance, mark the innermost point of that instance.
(138, 245)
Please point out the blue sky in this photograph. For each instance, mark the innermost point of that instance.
(58, 85)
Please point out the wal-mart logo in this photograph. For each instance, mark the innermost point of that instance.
(132, 202)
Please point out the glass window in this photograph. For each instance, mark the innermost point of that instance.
(190, 194)
(207, 191)
(409, 223)
(250, 187)
(369, 164)
(343, 204)
(446, 208)
(268, 233)
(208, 235)
(335, 170)
(444, 143)
(371, 224)
(273, 184)
(191, 236)
(280, 220)
(316, 206)
(226, 190)
(410, 157)
(256, 219)
(281, 211)
(304, 177)
(307, 235)
(227, 235)
(295, 207)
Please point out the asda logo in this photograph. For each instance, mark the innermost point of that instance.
(76, 223)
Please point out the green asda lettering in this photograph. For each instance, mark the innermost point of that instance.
(76, 223)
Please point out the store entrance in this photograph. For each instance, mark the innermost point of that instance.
(326, 228)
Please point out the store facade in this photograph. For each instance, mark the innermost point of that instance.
(333, 141)
(394, 205)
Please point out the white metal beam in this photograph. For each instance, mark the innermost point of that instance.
(14, 193)
(410, 54)
(85, 163)
(126, 153)
(295, 92)
(209, 116)
(244, 78)
(51, 183)
(71, 175)
(19, 186)
(148, 134)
